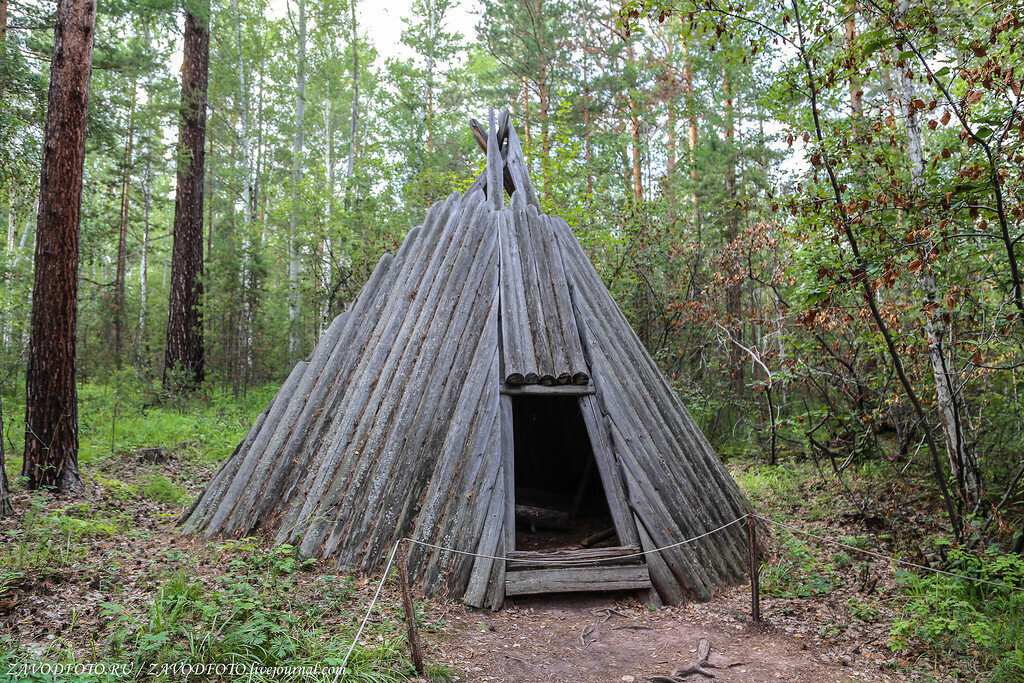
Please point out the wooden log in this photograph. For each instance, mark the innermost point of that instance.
(570, 334)
(545, 519)
(516, 345)
(495, 164)
(595, 538)
(534, 316)
(539, 390)
(358, 488)
(372, 317)
(410, 614)
(608, 468)
(520, 170)
(366, 379)
(555, 362)
(710, 469)
(576, 579)
(445, 351)
(584, 557)
(662, 578)
(463, 466)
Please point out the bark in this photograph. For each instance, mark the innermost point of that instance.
(298, 142)
(51, 399)
(856, 94)
(691, 133)
(949, 402)
(5, 492)
(184, 356)
(246, 319)
(3, 38)
(634, 134)
(122, 240)
(354, 127)
(147, 196)
(734, 291)
(860, 262)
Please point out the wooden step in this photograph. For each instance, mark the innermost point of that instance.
(576, 579)
(579, 557)
(594, 569)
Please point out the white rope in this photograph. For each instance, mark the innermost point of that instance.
(888, 557)
(581, 562)
(369, 611)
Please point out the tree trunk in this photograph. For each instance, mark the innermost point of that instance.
(51, 398)
(184, 357)
(733, 290)
(634, 134)
(246, 319)
(147, 197)
(298, 142)
(856, 94)
(5, 492)
(354, 127)
(122, 239)
(962, 461)
(691, 133)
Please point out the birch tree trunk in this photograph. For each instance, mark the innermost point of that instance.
(51, 397)
(246, 319)
(354, 127)
(122, 240)
(962, 460)
(294, 338)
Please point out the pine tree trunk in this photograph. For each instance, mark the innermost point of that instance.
(5, 492)
(691, 132)
(51, 398)
(184, 357)
(733, 291)
(856, 94)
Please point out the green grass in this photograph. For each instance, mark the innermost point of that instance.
(160, 489)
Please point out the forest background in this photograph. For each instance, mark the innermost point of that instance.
(810, 212)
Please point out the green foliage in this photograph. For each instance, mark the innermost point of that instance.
(238, 623)
(967, 619)
(157, 487)
(796, 573)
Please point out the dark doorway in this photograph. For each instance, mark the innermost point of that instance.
(560, 501)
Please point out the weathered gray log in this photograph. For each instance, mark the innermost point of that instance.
(539, 390)
(595, 538)
(582, 557)
(517, 166)
(575, 579)
(544, 519)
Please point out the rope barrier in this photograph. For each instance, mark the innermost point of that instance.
(373, 602)
(888, 557)
(585, 562)
(580, 562)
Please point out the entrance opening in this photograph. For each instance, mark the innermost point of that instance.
(560, 501)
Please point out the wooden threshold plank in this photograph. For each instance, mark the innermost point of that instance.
(576, 579)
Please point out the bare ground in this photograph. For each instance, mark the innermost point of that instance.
(601, 638)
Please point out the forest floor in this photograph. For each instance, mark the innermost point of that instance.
(106, 577)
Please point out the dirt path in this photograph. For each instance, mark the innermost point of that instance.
(595, 638)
